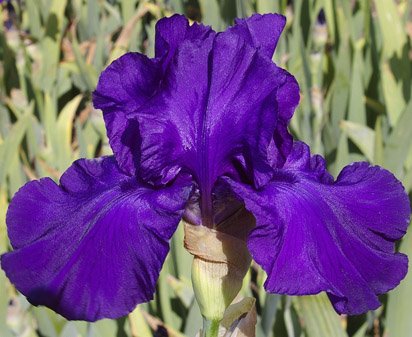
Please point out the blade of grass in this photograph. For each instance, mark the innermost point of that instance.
(11, 144)
(319, 318)
(362, 136)
(399, 307)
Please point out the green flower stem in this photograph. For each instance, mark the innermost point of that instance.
(210, 328)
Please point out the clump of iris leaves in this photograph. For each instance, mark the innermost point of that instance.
(352, 60)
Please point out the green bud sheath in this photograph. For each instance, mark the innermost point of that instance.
(220, 263)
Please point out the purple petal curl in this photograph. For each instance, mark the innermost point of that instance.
(313, 234)
(93, 246)
(123, 87)
(261, 31)
(131, 80)
(220, 101)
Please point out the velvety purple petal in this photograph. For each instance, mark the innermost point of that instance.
(243, 106)
(170, 122)
(218, 104)
(312, 236)
(288, 98)
(261, 31)
(300, 159)
(132, 79)
(124, 86)
(207, 103)
(172, 31)
(93, 246)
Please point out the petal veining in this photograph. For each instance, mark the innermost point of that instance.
(316, 235)
(93, 246)
(261, 31)
(219, 103)
(215, 104)
(131, 80)
(171, 32)
(123, 87)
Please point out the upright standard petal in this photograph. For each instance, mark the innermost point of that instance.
(313, 234)
(131, 80)
(218, 104)
(93, 246)
(171, 32)
(288, 97)
(123, 87)
(261, 31)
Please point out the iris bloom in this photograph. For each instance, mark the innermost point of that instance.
(197, 132)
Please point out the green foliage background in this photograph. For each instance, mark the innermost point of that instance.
(355, 77)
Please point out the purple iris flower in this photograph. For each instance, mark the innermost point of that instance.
(198, 132)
